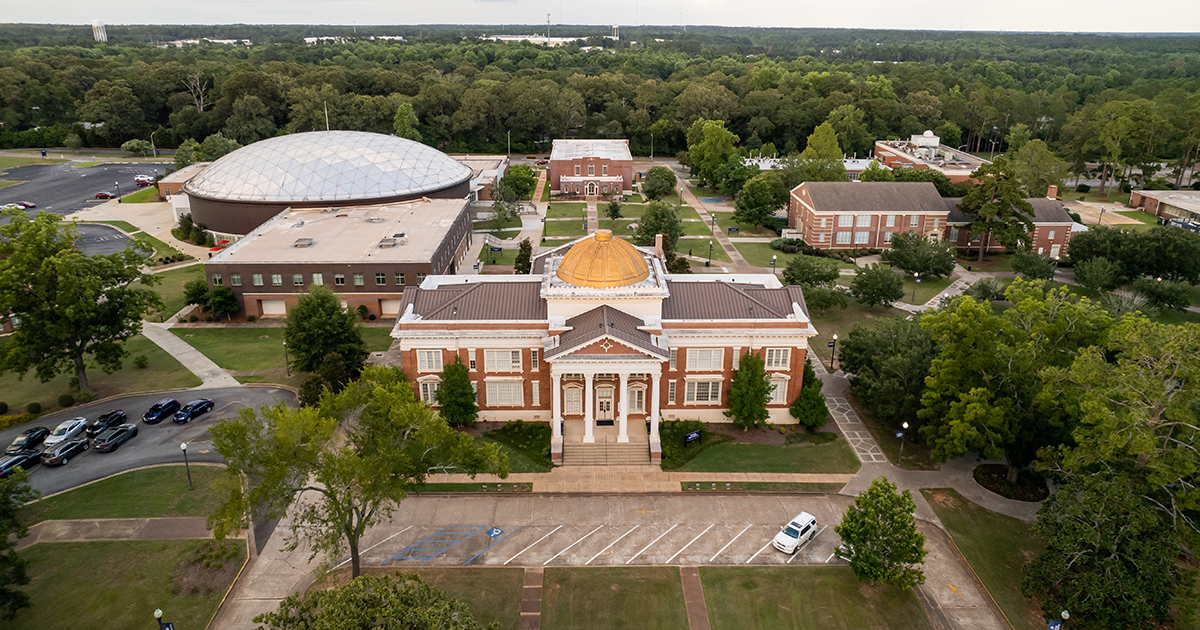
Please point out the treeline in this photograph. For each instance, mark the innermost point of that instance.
(1120, 100)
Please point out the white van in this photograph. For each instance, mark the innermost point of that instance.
(797, 532)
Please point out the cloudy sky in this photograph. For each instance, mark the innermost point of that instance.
(1012, 15)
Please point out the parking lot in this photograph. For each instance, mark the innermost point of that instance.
(527, 530)
(61, 189)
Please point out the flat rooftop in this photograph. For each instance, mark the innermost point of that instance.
(1188, 200)
(565, 149)
(402, 232)
(184, 174)
(939, 157)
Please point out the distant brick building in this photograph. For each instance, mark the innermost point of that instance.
(591, 167)
(926, 152)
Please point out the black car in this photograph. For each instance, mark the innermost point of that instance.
(29, 439)
(107, 420)
(193, 409)
(22, 459)
(110, 439)
(161, 410)
(61, 453)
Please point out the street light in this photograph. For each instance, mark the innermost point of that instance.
(902, 435)
(1054, 274)
(651, 147)
(916, 281)
(158, 617)
(118, 185)
(152, 147)
(773, 257)
(1100, 221)
(183, 447)
(287, 365)
(709, 263)
(509, 142)
(833, 355)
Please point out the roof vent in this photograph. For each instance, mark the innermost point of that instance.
(303, 242)
(343, 215)
(387, 243)
(299, 222)
(374, 219)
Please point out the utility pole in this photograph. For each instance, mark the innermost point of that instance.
(548, 26)
(326, 115)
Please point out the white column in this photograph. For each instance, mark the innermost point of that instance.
(556, 407)
(655, 442)
(588, 404)
(623, 406)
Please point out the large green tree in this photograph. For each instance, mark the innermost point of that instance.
(521, 179)
(318, 325)
(251, 120)
(818, 278)
(1037, 168)
(114, 108)
(455, 395)
(14, 493)
(658, 218)
(341, 466)
(821, 159)
(913, 253)
(710, 145)
(997, 207)
(404, 123)
(73, 309)
(749, 393)
(880, 537)
(889, 361)
(760, 198)
(658, 183)
(876, 284)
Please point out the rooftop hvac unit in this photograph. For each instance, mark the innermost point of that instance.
(303, 242)
(387, 243)
(374, 219)
(299, 222)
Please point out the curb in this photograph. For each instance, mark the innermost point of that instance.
(221, 604)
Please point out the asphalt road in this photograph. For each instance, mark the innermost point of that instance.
(100, 239)
(154, 444)
(61, 189)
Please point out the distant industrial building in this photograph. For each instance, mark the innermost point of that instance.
(1183, 205)
(926, 151)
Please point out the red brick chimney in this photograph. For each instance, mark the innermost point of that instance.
(1052, 192)
(658, 250)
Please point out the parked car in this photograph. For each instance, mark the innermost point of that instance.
(105, 195)
(542, 162)
(67, 430)
(797, 532)
(26, 204)
(111, 438)
(61, 453)
(22, 459)
(193, 410)
(107, 420)
(160, 411)
(143, 180)
(29, 439)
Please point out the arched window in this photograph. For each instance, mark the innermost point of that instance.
(591, 169)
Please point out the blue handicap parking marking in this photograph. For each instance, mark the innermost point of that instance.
(436, 543)
(495, 531)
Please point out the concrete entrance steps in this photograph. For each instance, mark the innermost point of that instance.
(605, 453)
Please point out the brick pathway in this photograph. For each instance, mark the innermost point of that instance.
(531, 599)
(856, 433)
(693, 598)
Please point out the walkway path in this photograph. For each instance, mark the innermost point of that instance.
(739, 264)
(81, 530)
(191, 358)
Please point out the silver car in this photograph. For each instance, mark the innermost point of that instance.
(67, 430)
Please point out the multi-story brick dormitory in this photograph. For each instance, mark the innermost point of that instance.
(1052, 227)
(601, 342)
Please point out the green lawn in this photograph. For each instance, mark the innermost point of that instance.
(699, 248)
(1145, 220)
(162, 372)
(696, 228)
(833, 457)
(838, 321)
(5, 183)
(566, 210)
(118, 585)
(146, 195)
(506, 257)
(927, 289)
(991, 262)
(646, 598)
(506, 235)
(997, 547)
(125, 226)
(725, 221)
(492, 594)
(145, 493)
(12, 161)
(518, 462)
(490, 225)
(171, 288)
(87, 164)
(801, 598)
(161, 249)
(634, 198)
(378, 338)
(237, 348)
(627, 212)
(759, 255)
(564, 228)
(765, 486)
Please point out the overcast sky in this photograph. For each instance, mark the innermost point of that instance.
(1012, 15)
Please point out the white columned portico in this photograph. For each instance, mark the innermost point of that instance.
(589, 418)
(655, 380)
(623, 409)
(556, 432)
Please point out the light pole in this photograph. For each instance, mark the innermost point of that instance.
(833, 354)
(709, 263)
(916, 281)
(1054, 274)
(509, 132)
(153, 149)
(773, 257)
(118, 185)
(901, 458)
(287, 365)
(158, 617)
(183, 447)
(651, 147)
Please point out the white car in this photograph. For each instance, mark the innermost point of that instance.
(797, 532)
(67, 430)
(147, 179)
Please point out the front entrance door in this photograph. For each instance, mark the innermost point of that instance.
(604, 406)
(591, 189)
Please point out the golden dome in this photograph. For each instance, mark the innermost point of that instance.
(603, 261)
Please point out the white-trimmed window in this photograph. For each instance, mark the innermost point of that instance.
(420, 278)
(1052, 235)
(429, 360)
(843, 238)
(256, 279)
(381, 278)
(778, 391)
(533, 359)
(504, 393)
(823, 220)
(637, 399)
(429, 389)
(845, 220)
(471, 359)
(778, 358)
(318, 278)
(216, 279)
(954, 234)
(736, 358)
(358, 280)
(887, 237)
(912, 220)
(276, 279)
(864, 220)
(339, 279)
(891, 220)
(935, 224)
(604, 170)
(704, 392)
(820, 238)
(576, 170)
(671, 392)
(573, 401)
(674, 358)
(861, 238)
(502, 360)
(297, 279)
(591, 170)
(536, 394)
(699, 359)
(399, 279)
(235, 279)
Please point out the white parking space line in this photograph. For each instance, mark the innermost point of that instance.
(794, 555)
(364, 551)
(572, 545)
(729, 543)
(690, 543)
(650, 545)
(764, 548)
(534, 543)
(611, 544)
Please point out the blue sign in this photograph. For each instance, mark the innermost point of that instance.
(732, 230)
(830, 344)
(899, 434)
(166, 625)
(1053, 624)
(692, 437)
(495, 531)
(496, 249)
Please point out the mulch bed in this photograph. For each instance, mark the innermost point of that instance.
(1029, 487)
(769, 435)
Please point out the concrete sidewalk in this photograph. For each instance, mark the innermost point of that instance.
(629, 479)
(191, 358)
(79, 530)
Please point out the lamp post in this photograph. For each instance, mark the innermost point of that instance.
(158, 617)
(1054, 274)
(287, 365)
(833, 355)
(709, 263)
(118, 185)
(152, 147)
(916, 281)
(183, 447)
(651, 147)
(773, 257)
(902, 436)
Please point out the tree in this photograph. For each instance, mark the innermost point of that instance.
(1037, 168)
(1109, 557)
(997, 207)
(822, 157)
(810, 270)
(137, 147)
(709, 146)
(74, 309)
(880, 537)
(405, 122)
(809, 408)
(760, 198)
(1164, 294)
(749, 393)
(986, 289)
(613, 211)
(186, 154)
(115, 109)
(196, 292)
(945, 187)
(1032, 265)
(392, 443)
(524, 260)
(505, 203)
(521, 179)
(222, 301)
(876, 284)
(456, 397)
(251, 120)
(216, 146)
(1097, 274)
(847, 122)
(658, 218)
(914, 253)
(888, 361)
(14, 493)
(875, 172)
(400, 601)
(734, 174)
(658, 183)
(318, 325)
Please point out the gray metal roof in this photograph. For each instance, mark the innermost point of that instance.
(890, 197)
(1044, 211)
(478, 301)
(600, 321)
(728, 300)
(328, 166)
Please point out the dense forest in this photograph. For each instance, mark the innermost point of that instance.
(1092, 98)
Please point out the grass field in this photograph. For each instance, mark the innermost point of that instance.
(145, 493)
(1146, 219)
(927, 289)
(997, 547)
(162, 372)
(86, 164)
(491, 594)
(505, 257)
(759, 255)
(725, 221)
(378, 339)
(839, 322)
(565, 210)
(11, 161)
(991, 262)
(5, 183)
(803, 598)
(149, 194)
(490, 225)
(763, 486)
(161, 249)
(564, 228)
(237, 348)
(699, 248)
(124, 226)
(118, 585)
(646, 598)
(171, 289)
(833, 457)
(696, 228)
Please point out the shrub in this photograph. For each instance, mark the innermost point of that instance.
(193, 318)
(15, 420)
(141, 361)
(362, 311)
(1083, 188)
(208, 318)
(371, 317)
(66, 400)
(182, 320)
(3, 407)
(250, 318)
(986, 289)
(1164, 294)
(34, 408)
(85, 397)
(790, 249)
(1075, 217)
